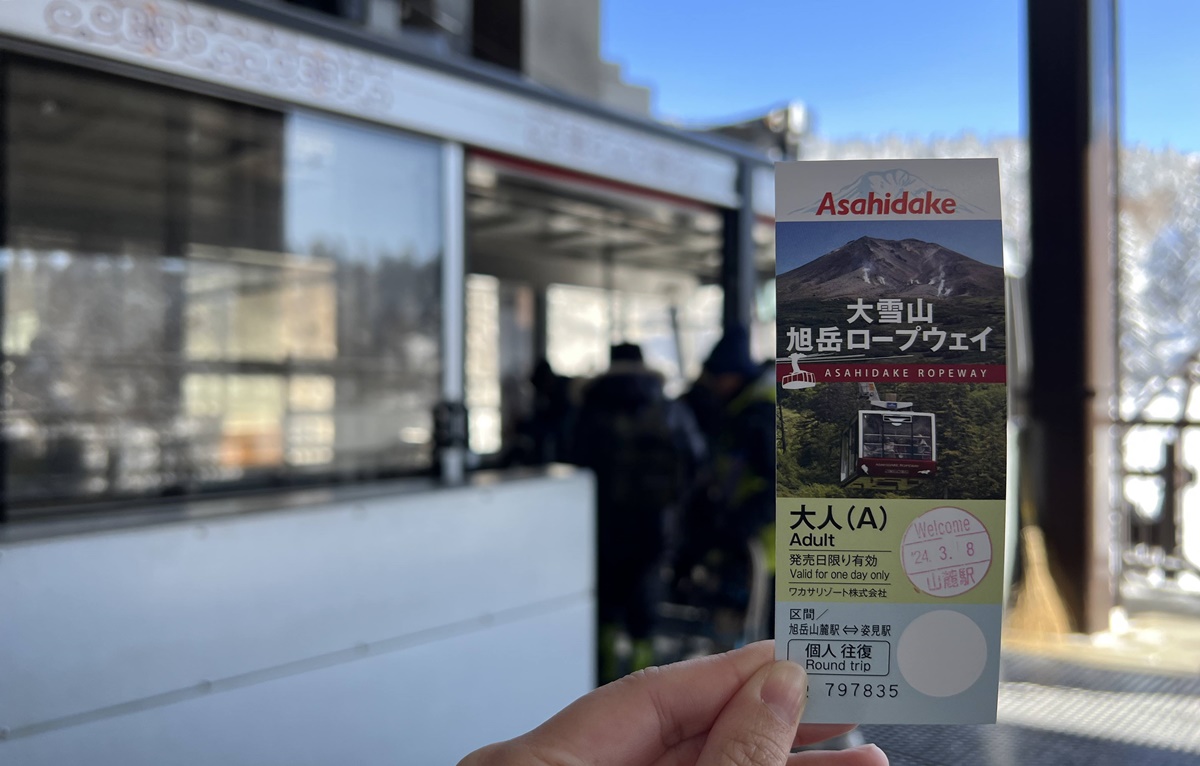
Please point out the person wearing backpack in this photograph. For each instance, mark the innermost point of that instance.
(644, 449)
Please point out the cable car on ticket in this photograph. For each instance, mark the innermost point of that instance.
(888, 447)
(798, 378)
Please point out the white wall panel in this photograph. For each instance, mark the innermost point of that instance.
(430, 704)
(92, 621)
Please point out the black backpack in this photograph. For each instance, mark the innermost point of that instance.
(641, 470)
(640, 459)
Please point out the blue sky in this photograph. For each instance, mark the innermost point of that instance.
(874, 67)
(798, 242)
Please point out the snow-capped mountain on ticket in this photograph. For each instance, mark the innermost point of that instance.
(875, 268)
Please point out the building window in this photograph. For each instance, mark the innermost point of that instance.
(483, 361)
(1158, 280)
(200, 294)
(353, 10)
(675, 334)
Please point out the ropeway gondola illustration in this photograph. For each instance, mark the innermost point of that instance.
(888, 447)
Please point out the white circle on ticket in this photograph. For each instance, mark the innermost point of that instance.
(942, 653)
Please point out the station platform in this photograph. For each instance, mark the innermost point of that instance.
(1062, 713)
(1128, 695)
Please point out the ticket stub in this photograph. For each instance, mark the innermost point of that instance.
(890, 472)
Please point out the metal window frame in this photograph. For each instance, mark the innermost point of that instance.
(453, 454)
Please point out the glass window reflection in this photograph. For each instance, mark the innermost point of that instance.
(202, 294)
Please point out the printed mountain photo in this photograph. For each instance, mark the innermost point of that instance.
(883, 268)
(889, 296)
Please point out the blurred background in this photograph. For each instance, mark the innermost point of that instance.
(372, 369)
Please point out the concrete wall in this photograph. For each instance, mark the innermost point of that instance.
(618, 94)
(561, 49)
(403, 627)
(561, 45)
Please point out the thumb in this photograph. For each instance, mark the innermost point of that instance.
(758, 725)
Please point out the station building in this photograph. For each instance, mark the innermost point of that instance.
(264, 263)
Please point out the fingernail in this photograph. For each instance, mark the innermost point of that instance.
(869, 749)
(866, 747)
(784, 691)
